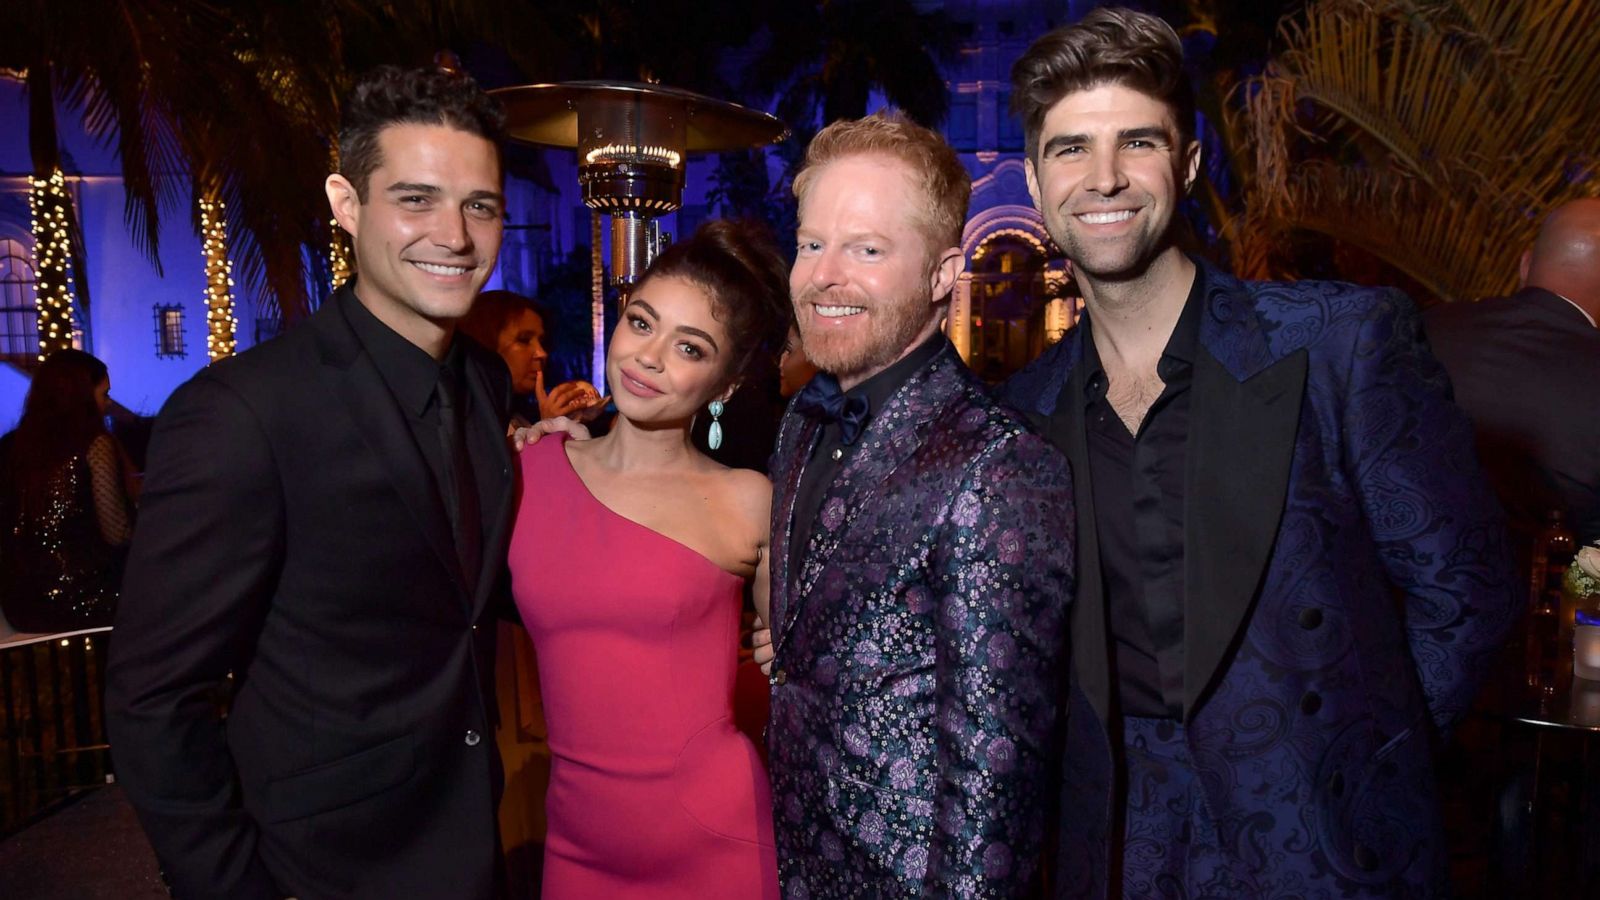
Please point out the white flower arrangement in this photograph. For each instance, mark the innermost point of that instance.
(1583, 576)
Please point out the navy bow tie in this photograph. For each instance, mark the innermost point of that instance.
(822, 399)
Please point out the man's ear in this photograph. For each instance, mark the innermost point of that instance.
(1524, 267)
(945, 272)
(1191, 164)
(344, 201)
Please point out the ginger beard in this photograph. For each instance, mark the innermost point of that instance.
(892, 329)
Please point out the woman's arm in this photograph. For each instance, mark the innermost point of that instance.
(110, 495)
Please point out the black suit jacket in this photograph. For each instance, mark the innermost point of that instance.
(291, 533)
(1525, 367)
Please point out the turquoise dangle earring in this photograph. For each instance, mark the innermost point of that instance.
(714, 436)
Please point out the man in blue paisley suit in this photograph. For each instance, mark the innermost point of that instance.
(922, 540)
(1291, 570)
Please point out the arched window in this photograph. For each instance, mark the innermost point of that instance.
(19, 314)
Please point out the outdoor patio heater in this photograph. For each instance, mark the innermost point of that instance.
(632, 141)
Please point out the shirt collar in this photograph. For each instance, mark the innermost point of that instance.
(1182, 344)
(880, 387)
(1581, 310)
(408, 369)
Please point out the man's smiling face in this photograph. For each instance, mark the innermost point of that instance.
(1110, 172)
(427, 235)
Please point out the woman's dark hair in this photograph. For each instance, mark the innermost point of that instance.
(390, 95)
(492, 310)
(59, 418)
(738, 264)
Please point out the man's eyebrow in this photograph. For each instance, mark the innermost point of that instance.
(412, 187)
(1064, 140)
(1145, 132)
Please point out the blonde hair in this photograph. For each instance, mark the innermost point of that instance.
(935, 169)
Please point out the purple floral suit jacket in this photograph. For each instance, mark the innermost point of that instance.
(920, 639)
(1347, 579)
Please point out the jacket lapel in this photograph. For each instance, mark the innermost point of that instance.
(381, 422)
(491, 464)
(890, 438)
(1245, 414)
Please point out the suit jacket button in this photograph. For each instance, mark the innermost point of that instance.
(1310, 703)
(473, 738)
(1310, 618)
(780, 677)
(837, 454)
(1366, 858)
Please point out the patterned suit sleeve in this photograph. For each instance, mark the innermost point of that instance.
(1440, 531)
(1005, 562)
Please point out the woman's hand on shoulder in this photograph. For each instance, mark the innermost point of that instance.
(528, 435)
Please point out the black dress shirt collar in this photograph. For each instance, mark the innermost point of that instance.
(410, 371)
(1182, 344)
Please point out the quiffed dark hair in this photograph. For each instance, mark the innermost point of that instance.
(1110, 45)
(390, 95)
(738, 264)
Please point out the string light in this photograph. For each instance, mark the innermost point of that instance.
(221, 326)
(338, 255)
(49, 203)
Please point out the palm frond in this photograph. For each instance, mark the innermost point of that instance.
(1432, 134)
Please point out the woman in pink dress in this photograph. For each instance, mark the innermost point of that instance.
(629, 560)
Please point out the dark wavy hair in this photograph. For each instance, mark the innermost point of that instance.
(738, 264)
(1110, 45)
(59, 420)
(390, 95)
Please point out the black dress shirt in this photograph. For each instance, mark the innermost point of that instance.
(1138, 487)
(830, 453)
(414, 378)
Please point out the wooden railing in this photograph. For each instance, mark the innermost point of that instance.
(52, 721)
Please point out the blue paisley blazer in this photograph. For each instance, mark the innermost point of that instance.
(919, 644)
(1347, 578)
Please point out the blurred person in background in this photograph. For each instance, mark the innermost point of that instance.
(794, 367)
(66, 501)
(1524, 367)
(514, 326)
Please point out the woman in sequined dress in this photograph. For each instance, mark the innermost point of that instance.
(65, 510)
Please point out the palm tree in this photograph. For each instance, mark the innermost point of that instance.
(235, 101)
(1432, 135)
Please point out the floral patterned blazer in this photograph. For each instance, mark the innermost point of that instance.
(919, 644)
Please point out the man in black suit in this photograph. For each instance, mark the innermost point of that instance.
(325, 518)
(1525, 367)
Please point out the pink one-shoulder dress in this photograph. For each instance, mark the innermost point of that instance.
(653, 792)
